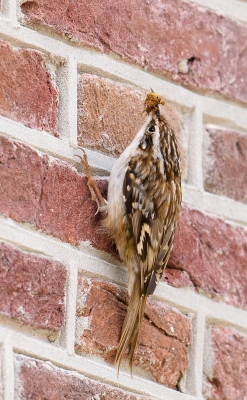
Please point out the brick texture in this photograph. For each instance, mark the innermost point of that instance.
(229, 372)
(47, 193)
(102, 109)
(164, 337)
(199, 50)
(177, 278)
(27, 93)
(225, 167)
(157, 36)
(39, 380)
(32, 288)
(54, 197)
(213, 254)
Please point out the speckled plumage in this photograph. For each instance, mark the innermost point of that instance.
(144, 198)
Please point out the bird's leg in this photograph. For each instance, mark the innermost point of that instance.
(92, 184)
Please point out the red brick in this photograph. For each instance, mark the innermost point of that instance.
(27, 93)
(177, 278)
(228, 377)
(38, 380)
(157, 36)
(32, 288)
(213, 253)
(66, 209)
(164, 337)
(102, 109)
(21, 171)
(48, 193)
(54, 198)
(225, 169)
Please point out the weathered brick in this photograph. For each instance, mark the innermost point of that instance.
(38, 380)
(48, 193)
(176, 277)
(66, 209)
(32, 288)
(21, 171)
(102, 109)
(157, 36)
(27, 93)
(163, 340)
(226, 378)
(213, 253)
(225, 167)
(55, 198)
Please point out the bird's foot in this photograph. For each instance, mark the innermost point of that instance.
(91, 182)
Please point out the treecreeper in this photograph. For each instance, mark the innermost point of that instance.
(141, 213)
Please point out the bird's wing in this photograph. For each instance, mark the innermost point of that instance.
(153, 235)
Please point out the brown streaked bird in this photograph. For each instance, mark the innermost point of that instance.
(142, 210)
(144, 198)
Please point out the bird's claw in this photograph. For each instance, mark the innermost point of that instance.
(91, 183)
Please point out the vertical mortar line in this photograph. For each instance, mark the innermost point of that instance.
(71, 295)
(8, 370)
(199, 352)
(194, 373)
(195, 172)
(72, 81)
(67, 114)
(9, 9)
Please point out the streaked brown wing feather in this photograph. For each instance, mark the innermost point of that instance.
(151, 236)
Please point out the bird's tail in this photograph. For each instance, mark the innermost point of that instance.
(132, 324)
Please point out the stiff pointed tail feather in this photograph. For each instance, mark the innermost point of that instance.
(132, 324)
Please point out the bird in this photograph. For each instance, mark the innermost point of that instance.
(141, 214)
(143, 204)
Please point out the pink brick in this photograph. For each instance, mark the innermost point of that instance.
(21, 172)
(27, 93)
(162, 345)
(225, 171)
(157, 36)
(110, 114)
(213, 253)
(32, 288)
(36, 379)
(66, 209)
(176, 277)
(229, 370)
(48, 193)
(54, 197)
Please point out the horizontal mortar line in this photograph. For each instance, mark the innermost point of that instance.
(47, 143)
(89, 264)
(100, 164)
(87, 258)
(213, 113)
(234, 10)
(214, 310)
(180, 96)
(221, 206)
(93, 61)
(91, 368)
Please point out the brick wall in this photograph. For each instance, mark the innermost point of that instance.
(76, 74)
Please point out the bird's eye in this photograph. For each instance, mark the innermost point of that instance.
(151, 129)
